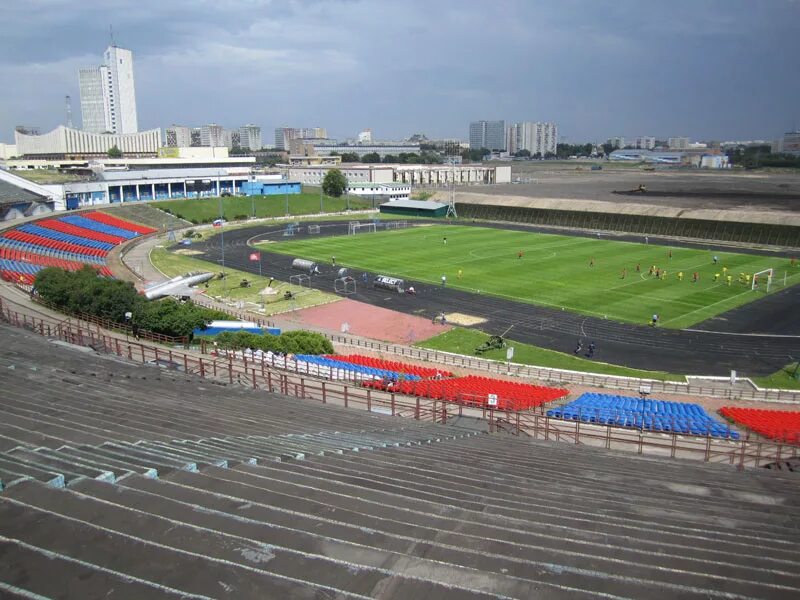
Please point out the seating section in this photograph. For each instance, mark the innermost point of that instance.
(91, 224)
(108, 219)
(652, 415)
(68, 238)
(18, 272)
(126, 481)
(474, 390)
(67, 242)
(778, 425)
(390, 365)
(68, 264)
(337, 369)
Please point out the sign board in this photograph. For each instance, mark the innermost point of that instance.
(510, 353)
(491, 400)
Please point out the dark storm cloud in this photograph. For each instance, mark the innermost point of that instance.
(716, 69)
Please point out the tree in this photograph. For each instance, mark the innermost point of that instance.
(524, 153)
(334, 183)
(390, 158)
(475, 154)
(371, 157)
(348, 157)
(114, 152)
(608, 148)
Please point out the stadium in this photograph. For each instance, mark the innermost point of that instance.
(396, 466)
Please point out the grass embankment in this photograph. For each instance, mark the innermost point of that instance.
(205, 210)
(782, 379)
(464, 341)
(229, 290)
(595, 277)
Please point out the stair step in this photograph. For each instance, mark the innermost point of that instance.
(25, 469)
(56, 459)
(39, 574)
(119, 466)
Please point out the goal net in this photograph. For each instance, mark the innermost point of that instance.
(312, 229)
(396, 224)
(344, 285)
(356, 227)
(300, 280)
(762, 280)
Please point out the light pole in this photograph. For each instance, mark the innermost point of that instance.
(222, 241)
(286, 189)
(320, 198)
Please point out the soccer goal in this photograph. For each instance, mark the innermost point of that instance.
(396, 224)
(762, 280)
(344, 285)
(312, 229)
(300, 280)
(357, 227)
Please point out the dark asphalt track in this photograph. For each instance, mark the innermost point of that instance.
(713, 347)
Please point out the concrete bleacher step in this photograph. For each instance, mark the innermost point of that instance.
(430, 473)
(542, 559)
(55, 459)
(20, 468)
(37, 574)
(184, 453)
(403, 531)
(121, 454)
(142, 496)
(274, 479)
(436, 489)
(46, 427)
(147, 454)
(118, 466)
(86, 513)
(190, 571)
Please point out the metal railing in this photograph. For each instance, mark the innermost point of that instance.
(750, 451)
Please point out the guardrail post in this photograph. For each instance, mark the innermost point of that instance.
(141, 348)
(303, 389)
(230, 368)
(369, 400)
(345, 396)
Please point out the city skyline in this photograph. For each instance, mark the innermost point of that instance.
(706, 70)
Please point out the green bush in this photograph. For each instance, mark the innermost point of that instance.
(86, 292)
(290, 342)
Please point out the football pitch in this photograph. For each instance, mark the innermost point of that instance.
(604, 278)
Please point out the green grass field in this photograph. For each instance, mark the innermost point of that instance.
(172, 264)
(555, 270)
(464, 341)
(205, 210)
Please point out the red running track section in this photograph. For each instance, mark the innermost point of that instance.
(102, 217)
(389, 365)
(474, 390)
(778, 425)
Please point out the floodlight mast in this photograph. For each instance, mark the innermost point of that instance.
(451, 207)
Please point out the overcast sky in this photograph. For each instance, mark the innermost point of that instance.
(716, 69)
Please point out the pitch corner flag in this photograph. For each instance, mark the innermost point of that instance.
(255, 256)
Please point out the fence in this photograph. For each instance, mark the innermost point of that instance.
(699, 229)
(259, 375)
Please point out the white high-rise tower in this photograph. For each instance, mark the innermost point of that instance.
(108, 95)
